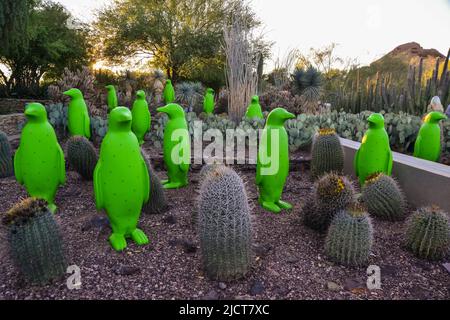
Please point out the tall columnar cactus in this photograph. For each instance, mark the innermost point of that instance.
(383, 197)
(350, 236)
(327, 153)
(428, 233)
(35, 241)
(6, 163)
(157, 202)
(331, 194)
(224, 225)
(82, 156)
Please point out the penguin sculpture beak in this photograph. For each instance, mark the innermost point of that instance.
(124, 117)
(68, 93)
(162, 109)
(289, 115)
(31, 110)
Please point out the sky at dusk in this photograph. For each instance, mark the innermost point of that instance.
(363, 29)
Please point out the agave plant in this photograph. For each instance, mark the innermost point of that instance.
(307, 83)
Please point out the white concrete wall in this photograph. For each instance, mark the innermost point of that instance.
(423, 182)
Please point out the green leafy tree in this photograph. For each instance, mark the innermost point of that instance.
(175, 34)
(51, 41)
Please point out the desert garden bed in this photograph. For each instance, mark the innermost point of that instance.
(289, 262)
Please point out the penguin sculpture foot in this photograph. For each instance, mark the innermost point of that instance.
(118, 241)
(284, 205)
(52, 207)
(164, 181)
(174, 185)
(271, 206)
(139, 237)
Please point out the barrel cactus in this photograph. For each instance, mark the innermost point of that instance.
(331, 194)
(207, 169)
(35, 241)
(428, 233)
(383, 197)
(6, 163)
(350, 237)
(327, 154)
(157, 202)
(82, 156)
(224, 225)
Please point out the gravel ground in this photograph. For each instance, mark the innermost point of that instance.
(289, 261)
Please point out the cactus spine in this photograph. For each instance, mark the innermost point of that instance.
(82, 156)
(383, 197)
(35, 241)
(428, 233)
(326, 154)
(224, 225)
(6, 163)
(157, 202)
(350, 236)
(331, 194)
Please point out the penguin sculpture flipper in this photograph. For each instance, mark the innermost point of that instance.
(61, 164)
(356, 162)
(98, 187)
(390, 161)
(17, 167)
(87, 127)
(417, 146)
(146, 183)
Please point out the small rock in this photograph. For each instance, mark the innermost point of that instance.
(261, 250)
(222, 285)
(292, 259)
(333, 286)
(446, 266)
(257, 288)
(170, 219)
(243, 297)
(124, 270)
(211, 295)
(351, 284)
(189, 246)
(97, 222)
(388, 270)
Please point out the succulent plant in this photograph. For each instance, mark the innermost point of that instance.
(81, 156)
(331, 194)
(157, 202)
(57, 116)
(99, 126)
(6, 161)
(327, 154)
(224, 225)
(428, 233)
(383, 197)
(350, 237)
(35, 241)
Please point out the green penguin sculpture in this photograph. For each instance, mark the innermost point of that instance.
(141, 117)
(273, 161)
(177, 147)
(169, 92)
(208, 101)
(121, 181)
(374, 154)
(39, 161)
(78, 120)
(254, 109)
(428, 143)
(111, 98)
